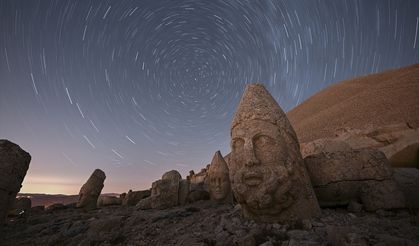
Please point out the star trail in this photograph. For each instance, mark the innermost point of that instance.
(138, 88)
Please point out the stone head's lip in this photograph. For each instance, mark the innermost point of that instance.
(252, 178)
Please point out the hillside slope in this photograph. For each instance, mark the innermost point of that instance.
(379, 99)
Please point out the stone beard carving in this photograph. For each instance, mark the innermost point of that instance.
(219, 180)
(267, 172)
(90, 191)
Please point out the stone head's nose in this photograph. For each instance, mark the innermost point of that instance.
(250, 158)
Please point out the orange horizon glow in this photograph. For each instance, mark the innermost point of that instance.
(65, 186)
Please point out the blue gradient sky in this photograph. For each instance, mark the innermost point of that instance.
(137, 88)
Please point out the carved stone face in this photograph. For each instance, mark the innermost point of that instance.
(260, 170)
(219, 184)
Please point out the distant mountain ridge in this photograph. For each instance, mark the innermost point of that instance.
(379, 99)
(39, 199)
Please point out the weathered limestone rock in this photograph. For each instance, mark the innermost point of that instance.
(172, 175)
(14, 163)
(341, 176)
(408, 182)
(90, 191)
(104, 201)
(404, 152)
(133, 197)
(198, 181)
(399, 142)
(144, 203)
(165, 192)
(219, 180)
(323, 145)
(268, 176)
(197, 195)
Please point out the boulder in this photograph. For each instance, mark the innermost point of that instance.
(90, 191)
(104, 201)
(172, 175)
(341, 176)
(197, 195)
(144, 203)
(267, 172)
(164, 194)
(133, 197)
(323, 145)
(14, 163)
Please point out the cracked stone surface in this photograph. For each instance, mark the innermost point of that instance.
(354, 175)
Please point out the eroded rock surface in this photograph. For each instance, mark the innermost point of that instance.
(14, 163)
(267, 172)
(399, 142)
(204, 223)
(103, 201)
(90, 191)
(133, 197)
(408, 182)
(342, 176)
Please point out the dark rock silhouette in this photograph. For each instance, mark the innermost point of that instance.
(14, 163)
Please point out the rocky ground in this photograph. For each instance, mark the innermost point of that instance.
(203, 223)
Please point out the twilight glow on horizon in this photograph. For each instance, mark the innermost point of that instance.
(138, 88)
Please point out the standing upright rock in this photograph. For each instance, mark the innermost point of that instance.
(14, 163)
(90, 191)
(219, 180)
(267, 172)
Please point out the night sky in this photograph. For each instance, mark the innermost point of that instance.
(137, 88)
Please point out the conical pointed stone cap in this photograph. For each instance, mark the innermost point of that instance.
(218, 164)
(257, 103)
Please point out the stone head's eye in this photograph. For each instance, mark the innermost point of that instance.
(237, 143)
(263, 140)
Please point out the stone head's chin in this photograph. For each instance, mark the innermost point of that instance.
(268, 196)
(219, 196)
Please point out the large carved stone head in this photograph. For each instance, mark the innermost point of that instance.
(219, 180)
(266, 168)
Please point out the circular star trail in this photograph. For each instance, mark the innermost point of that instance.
(138, 88)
